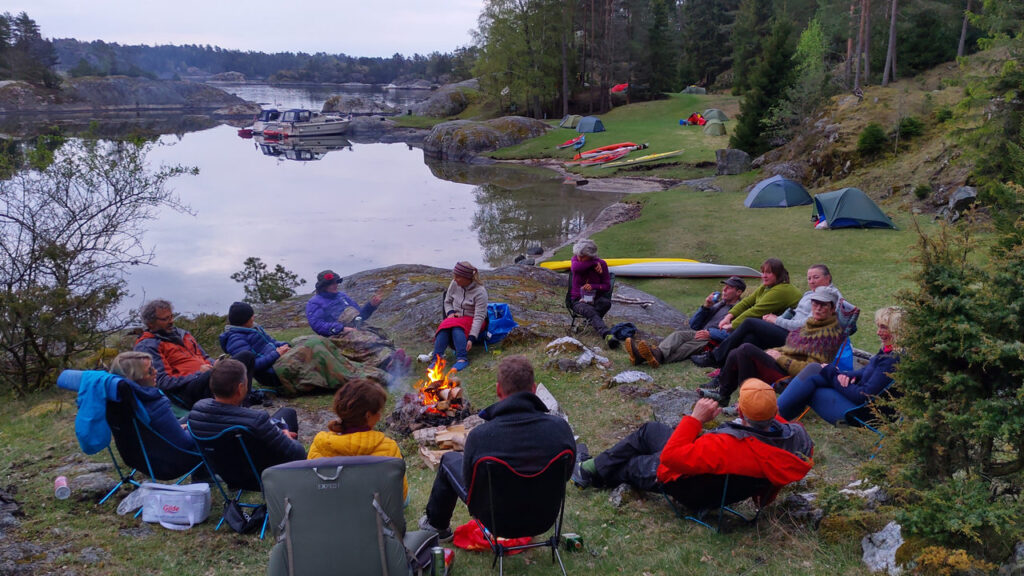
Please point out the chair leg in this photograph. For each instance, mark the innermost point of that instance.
(558, 555)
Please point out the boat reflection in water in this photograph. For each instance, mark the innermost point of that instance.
(301, 149)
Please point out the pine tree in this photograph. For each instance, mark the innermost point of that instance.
(752, 24)
(768, 82)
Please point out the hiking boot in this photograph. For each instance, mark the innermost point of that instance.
(649, 353)
(611, 341)
(711, 384)
(705, 360)
(710, 393)
(580, 477)
(442, 535)
(634, 355)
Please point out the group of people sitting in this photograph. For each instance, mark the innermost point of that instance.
(757, 340)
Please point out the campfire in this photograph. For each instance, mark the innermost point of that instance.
(439, 400)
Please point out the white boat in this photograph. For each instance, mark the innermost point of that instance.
(265, 118)
(298, 122)
(681, 270)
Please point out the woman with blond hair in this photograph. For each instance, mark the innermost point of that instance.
(465, 315)
(856, 386)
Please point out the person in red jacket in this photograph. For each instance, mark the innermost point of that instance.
(759, 444)
(182, 366)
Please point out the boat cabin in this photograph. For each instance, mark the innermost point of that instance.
(268, 115)
(297, 115)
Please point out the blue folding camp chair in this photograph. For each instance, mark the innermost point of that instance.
(231, 456)
(835, 408)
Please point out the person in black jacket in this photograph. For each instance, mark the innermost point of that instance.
(276, 434)
(517, 430)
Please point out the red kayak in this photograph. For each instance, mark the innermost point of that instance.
(245, 132)
(601, 159)
(593, 153)
(573, 142)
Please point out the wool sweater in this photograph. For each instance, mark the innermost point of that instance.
(366, 443)
(772, 299)
(468, 301)
(817, 341)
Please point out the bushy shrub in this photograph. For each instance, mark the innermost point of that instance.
(943, 114)
(871, 140)
(922, 191)
(910, 127)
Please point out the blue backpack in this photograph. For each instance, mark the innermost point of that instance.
(499, 322)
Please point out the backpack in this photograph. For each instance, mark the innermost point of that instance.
(847, 314)
(499, 322)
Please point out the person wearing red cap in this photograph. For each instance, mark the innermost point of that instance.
(758, 444)
(328, 306)
(465, 315)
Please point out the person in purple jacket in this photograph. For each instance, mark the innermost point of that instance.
(855, 387)
(591, 287)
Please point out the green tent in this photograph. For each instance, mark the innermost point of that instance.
(777, 192)
(570, 121)
(694, 90)
(714, 128)
(715, 114)
(849, 208)
(590, 124)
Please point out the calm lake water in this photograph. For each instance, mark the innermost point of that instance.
(354, 208)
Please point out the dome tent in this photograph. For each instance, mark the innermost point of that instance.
(590, 124)
(777, 192)
(850, 208)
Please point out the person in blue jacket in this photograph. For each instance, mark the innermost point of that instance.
(242, 334)
(329, 305)
(855, 386)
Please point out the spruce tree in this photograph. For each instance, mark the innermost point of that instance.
(769, 80)
(752, 23)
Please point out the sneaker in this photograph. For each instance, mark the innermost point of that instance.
(704, 360)
(648, 353)
(634, 354)
(714, 373)
(442, 535)
(580, 477)
(461, 364)
(611, 341)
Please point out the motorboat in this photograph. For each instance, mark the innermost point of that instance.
(301, 123)
(264, 118)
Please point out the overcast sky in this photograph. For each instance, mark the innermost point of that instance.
(355, 28)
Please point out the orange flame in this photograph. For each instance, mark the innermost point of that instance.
(437, 380)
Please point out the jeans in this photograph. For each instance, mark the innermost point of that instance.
(754, 331)
(797, 394)
(747, 361)
(451, 337)
(449, 487)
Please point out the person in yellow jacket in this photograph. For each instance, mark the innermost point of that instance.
(359, 405)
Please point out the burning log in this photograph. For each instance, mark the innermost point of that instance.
(439, 400)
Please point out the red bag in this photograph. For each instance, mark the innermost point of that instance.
(469, 537)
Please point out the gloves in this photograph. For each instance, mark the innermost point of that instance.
(474, 339)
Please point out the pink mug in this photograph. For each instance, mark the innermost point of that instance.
(60, 488)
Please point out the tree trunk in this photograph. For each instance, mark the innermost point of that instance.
(890, 56)
(963, 32)
(849, 43)
(860, 49)
(867, 41)
(565, 74)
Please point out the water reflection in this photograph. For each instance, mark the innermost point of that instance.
(313, 96)
(300, 149)
(106, 125)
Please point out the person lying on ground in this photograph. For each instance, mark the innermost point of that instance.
(855, 386)
(465, 315)
(182, 366)
(758, 444)
(274, 435)
(770, 330)
(590, 292)
(518, 430)
(703, 332)
(359, 405)
(818, 341)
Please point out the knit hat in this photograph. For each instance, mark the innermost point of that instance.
(326, 278)
(757, 401)
(735, 282)
(239, 313)
(464, 270)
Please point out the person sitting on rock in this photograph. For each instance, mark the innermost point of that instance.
(465, 315)
(590, 292)
(704, 331)
(656, 458)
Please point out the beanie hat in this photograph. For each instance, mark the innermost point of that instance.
(464, 270)
(757, 401)
(326, 278)
(239, 313)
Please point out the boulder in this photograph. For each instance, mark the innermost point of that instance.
(1015, 564)
(880, 549)
(448, 100)
(671, 405)
(351, 104)
(731, 161)
(462, 140)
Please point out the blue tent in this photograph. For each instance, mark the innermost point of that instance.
(590, 124)
(777, 192)
(850, 208)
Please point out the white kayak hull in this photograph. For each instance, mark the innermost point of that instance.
(682, 270)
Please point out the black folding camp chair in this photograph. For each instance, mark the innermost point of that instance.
(573, 315)
(510, 503)
(707, 493)
(232, 457)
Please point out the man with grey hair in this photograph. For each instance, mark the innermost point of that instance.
(182, 366)
(591, 288)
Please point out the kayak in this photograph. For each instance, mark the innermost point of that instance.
(642, 159)
(682, 270)
(574, 142)
(609, 148)
(562, 265)
(597, 160)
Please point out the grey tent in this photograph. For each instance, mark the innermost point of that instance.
(777, 192)
(850, 208)
(694, 90)
(715, 114)
(570, 121)
(714, 128)
(590, 124)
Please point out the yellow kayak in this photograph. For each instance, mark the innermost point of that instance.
(642, 159)
(563, 265)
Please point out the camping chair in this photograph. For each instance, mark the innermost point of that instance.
(342, 514)
(231, 456)
(141, 447)
(509, 503)
(835, 408)
(568, 299)
(695, 494)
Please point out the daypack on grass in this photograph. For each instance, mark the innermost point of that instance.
(499, 322)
